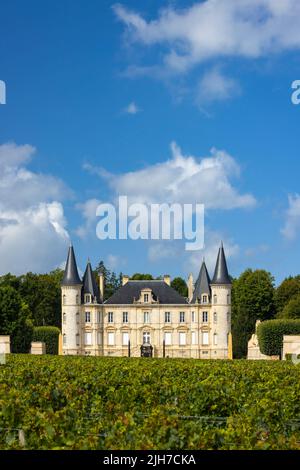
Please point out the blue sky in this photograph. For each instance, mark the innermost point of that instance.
(96, 85)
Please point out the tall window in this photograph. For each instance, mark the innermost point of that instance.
(205, 338)
(64, 339)
(204, 299)
(228, 317)
(193, 317)
(99, 338)
(125, 317)
(64, 318)
(77, 299)
(64, 300)
(182, 339)
(194, 337)
(168, 338)
(111, 339)
(146, 317)
(87, 317)
(215, 299)
(215, 317)
(181, 317)
(146, 337)
(146, 297)
(125, 339)
(204, 317)
(110, 317)
(87, 298)
(88, 339)
(167, 317)
(228, 299)
(77, 339)
(215, 339)
(77, 318)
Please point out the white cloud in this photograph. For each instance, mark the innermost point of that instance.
(184, 179)
(115, 262)
(132, 108)
(214, 29)
(32, 225)
(292, 218)
(214, 86)
(88, 212)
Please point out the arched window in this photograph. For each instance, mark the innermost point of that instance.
(64, 318)
(215, 299)
(64, 299)
(215, 339)
(215, 317)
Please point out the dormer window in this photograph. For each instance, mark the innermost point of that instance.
(87, 298)
(204, 299)
(146, 297)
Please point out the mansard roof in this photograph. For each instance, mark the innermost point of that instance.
(221, 275)
(90, 285)
(131, 291)
(71, 276)
(202, 285)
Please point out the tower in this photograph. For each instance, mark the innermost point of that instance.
(221, 306)
(71, 288)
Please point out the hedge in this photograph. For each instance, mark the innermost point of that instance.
(49, 335)
(270, 335)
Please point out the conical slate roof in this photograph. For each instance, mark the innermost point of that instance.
(202, 284)
(89, 283)
(71, 277)
(221, 275)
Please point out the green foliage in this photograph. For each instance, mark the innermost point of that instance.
(15, 319)
(112, 282)
(252, 300)
(270, 335)
(142, 277)
(49, 335)
(292, 308)
(165, 404)
(180, 286)
(287, 290)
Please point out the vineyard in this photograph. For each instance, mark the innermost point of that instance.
(54, 402)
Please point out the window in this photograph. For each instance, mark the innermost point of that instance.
(125, 317)
(125, 339)
(77, 318)
(193, 317)
(146, 317)
(215, 299)
(215, 339)
(87, 298)
(204, 299)
(194, 337)
(167, 317)
(182, 339)
(228, 299)
(168, 338)
(64, 339)
(111, 339)
(77, 340)
(181, 317)
(64, 300)
(99, 317)
(88, 339)
(64, 318)
(228, 317)
(77, 299)
(87, 317)
(110, 317)
(146, 337)
(205, 317)
(146, 297)
(205, 338)
(99, 338)
(215, 317)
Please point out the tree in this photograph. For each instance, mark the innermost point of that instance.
(292, 309)
(252, 300)
(180, 286)
(142, 277)
(15, 319)
(287, 290)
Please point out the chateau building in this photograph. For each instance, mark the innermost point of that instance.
(147, 317)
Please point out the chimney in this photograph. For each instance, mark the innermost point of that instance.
(101, 286)
(190, 287)
(125, 279)
(167, 279)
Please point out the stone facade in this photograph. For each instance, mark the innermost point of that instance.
(291, 345)
(147, 313)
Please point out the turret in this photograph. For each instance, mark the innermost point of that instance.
(202, 291)
(71, 288)
(221, 305)
(91, 292)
